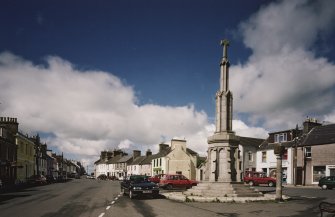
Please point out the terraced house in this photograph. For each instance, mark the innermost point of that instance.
(8, 156)
(25, 157)
(309, 153)
(175, 159)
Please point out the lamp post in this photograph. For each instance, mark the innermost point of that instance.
(37, 153)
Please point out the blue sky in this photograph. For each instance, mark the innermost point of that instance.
(147, 71)
(162, 48)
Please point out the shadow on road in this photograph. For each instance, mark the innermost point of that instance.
(6, 197)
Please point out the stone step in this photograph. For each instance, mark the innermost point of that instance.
(210, 194)
(223, 190)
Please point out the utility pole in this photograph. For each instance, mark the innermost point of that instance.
(62, 166)
(37, 154)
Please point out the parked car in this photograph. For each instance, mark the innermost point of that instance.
(169, 181)
(50, 179)
(62, 179)
(113, 178)
(258, 178)
(102, 177)
(156, 178)
(327, 182)
(139, 185)
(37, 180)
(89, 177)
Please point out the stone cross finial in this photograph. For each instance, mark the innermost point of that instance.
(225, 44)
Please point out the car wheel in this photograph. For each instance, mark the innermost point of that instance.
(271, 184)
(251, 183)
(131, 195)
(324, 187)
(169, 187)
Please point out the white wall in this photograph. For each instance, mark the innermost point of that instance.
(271, 163)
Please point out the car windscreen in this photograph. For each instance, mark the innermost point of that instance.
(138, 179)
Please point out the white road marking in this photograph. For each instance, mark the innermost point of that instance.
(108, 207)
(308, 197)
(113, 202)
(102, 214)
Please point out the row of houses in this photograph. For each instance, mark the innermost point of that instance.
(22, 156)
(309, 155)
(175, 158)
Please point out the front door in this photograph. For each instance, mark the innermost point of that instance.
(299, 176)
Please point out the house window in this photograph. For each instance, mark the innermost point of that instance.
(285, 155)
(263, 156)
(281, 137)
(160, 161)
(308, 152)
(250, 156)
(318, 173)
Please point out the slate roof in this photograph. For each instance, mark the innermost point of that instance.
(249, 141)
(99, 162)
(266, 145)
(147, 160)
(320, 135)
(191, 152)
(114, 160)
(125, 159)
(137, 160)
(162, 153)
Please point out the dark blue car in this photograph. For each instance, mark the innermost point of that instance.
(139, 185)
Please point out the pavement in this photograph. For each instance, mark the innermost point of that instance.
(300, 186)
(179, 196)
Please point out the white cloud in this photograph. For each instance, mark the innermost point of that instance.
(242, 129)
(88, 111)
(283, 80)
(330, 117)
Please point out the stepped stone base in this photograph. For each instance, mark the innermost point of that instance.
(222, 189)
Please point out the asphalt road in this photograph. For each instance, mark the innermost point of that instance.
(95, 198)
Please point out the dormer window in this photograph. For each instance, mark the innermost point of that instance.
(280, 137)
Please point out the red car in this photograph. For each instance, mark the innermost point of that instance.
(176, 181)
(156, 178)
(257, 178)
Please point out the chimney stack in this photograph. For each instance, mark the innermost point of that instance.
(148, 153)
(162, 147)
(309, 124)
(136, 153)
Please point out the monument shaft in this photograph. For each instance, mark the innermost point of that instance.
(222, 160)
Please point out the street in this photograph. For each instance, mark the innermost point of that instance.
(94, 198)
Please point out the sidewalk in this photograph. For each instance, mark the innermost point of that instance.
(13, 188)
(300, 186)
(179, 196)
